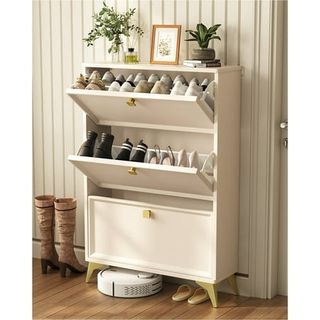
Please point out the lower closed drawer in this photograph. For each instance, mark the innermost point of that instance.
(171, 241)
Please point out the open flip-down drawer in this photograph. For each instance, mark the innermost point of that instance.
(146, 110)
(145, 177)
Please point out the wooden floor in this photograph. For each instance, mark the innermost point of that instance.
(72, 298)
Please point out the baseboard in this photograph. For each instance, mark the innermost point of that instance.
(243, 282)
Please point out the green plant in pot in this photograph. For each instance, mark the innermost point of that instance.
(203, 36)
(113, 26)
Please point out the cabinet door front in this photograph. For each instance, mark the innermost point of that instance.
(141, 236)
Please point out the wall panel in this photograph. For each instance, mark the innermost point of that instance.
(37, 125)
(59, 26)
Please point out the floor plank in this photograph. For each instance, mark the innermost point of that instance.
(72, 298)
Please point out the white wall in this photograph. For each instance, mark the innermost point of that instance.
(247, 34)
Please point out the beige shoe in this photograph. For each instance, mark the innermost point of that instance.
(65, 209)
(200, 295)
(45, 215)
(167, 80)
(153, 78)
(108, 78)
(143, 87)
(139, 76)
(96, 84)
(160, 88)
(80, 83)
(95, 75)
(183, 293)
(180, 78)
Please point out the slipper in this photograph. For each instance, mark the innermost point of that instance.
(183, 293)
(200, 295)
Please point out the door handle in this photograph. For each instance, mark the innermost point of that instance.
(284, 125)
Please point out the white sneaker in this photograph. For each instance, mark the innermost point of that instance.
(179, 89)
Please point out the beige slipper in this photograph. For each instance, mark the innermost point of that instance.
(183, 293)
(200, 295)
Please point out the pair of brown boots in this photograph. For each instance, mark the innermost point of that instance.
(64, 209)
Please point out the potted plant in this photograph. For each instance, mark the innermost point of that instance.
(112, 25)
(203, 35)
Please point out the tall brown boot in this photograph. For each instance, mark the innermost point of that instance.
(45, 214)
(66, 220)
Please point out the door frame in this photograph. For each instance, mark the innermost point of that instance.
(265, 177)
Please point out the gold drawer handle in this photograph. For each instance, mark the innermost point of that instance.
(131, 102)
(146, 214)
(133, 171)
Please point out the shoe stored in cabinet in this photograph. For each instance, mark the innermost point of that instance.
(104, 148)
(87, 147)
(125, 150)
(140, 152)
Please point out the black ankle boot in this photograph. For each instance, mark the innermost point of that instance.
(104, 148)
(125, 151)
(140, 153)
(87, 147)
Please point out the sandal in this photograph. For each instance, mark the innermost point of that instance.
(183, 293)
(154, 156)
(200, 295)
(167, 158)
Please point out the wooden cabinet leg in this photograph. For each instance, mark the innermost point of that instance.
(212, 290)
(91, 267)
(233, 284)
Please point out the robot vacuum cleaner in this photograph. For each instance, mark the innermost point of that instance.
(124, 283)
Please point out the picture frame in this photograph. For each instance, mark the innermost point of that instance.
(165, 44)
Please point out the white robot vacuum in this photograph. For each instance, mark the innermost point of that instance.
(124, 283)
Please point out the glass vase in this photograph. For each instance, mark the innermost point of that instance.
(118, 57)
(131, 56)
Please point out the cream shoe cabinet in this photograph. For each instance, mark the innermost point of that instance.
(169, 220)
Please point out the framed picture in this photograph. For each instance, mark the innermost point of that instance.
(165, 44)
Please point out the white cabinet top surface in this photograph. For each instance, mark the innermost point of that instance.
(160, 67)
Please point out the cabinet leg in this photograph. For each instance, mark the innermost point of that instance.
(212, 289)
(233, 284)
(91, 267)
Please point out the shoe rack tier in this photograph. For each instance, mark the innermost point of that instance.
(145, 177)
(145, 110)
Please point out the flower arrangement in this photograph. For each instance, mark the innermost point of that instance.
(112, 25)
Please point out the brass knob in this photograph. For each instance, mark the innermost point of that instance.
(133, 171)
(146, 214)
(131, 102)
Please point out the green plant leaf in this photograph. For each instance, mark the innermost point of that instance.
(195, 34)
(202, 30)
(214, 28)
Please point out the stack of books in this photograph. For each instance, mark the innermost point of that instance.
(202, 63)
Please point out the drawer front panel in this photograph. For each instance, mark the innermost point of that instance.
(160, 238)
(115, 174)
